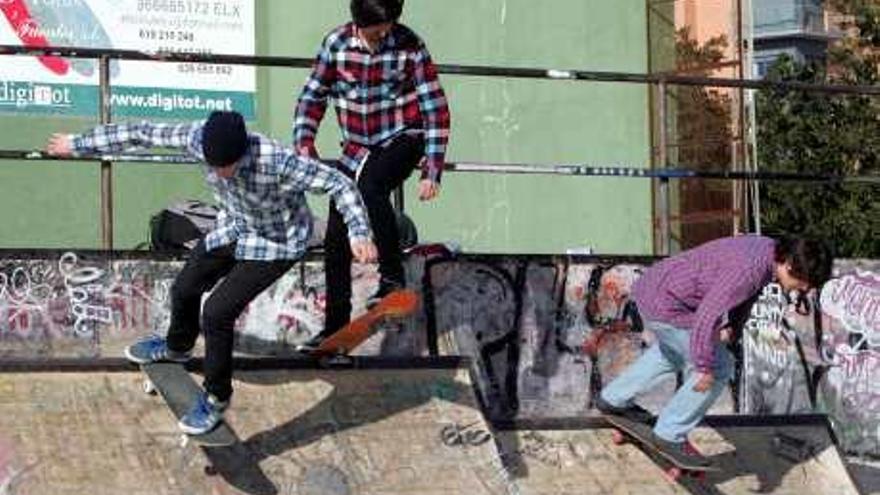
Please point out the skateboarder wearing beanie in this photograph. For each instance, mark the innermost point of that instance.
(263, 227)
(686, 301)
(392, 113)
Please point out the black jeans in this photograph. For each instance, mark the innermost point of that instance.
(245, 280)
(386, 168)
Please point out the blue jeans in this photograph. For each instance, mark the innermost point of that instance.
(669, 354)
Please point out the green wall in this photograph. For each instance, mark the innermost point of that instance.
(494, 120)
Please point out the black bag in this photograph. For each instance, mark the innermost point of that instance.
(181, 225)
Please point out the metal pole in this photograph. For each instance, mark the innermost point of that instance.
(663, 162)
(737, 190)
(751, 145)
(738, 149)
(106, 166)
(465, 70)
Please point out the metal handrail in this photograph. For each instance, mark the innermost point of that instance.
(456, 69)
(661, 80)
(575, 170)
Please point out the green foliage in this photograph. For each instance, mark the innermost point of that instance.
(823, 133)
(703, 115)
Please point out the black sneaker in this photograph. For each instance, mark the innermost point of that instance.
(684, 452)
(386, 286)
(633, 412)
(310, 345)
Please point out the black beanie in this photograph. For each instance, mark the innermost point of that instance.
(224, 138)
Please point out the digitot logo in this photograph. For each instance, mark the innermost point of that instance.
(23, 95)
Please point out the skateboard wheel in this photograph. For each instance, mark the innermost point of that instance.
(698, 475)
(673, 474)
(336, 360)
(210, 470)
(148, 387)
(618, 437)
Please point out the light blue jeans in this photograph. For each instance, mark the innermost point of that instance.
(669, 354)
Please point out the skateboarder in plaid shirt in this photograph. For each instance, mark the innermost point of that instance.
(689, 301)
(393, 114)
(263, 227)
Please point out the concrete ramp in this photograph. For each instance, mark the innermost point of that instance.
(781, 455)
(369, 430)
(303, 432)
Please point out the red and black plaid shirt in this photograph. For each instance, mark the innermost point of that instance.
(378, 95)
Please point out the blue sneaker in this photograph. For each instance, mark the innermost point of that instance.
(154, 349)
(205, 414)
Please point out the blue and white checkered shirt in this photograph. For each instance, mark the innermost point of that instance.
(263, 208)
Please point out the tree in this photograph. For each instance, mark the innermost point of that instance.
(822, 133)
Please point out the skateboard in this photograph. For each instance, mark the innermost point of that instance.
(641, 433)
(396, 304)
(178, 389)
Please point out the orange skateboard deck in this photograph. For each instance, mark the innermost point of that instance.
(396, 304)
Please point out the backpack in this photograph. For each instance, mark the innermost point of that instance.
(181, 225)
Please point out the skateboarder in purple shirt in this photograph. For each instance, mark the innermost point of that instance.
(686, 301)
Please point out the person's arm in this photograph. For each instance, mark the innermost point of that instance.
(112, 138)
(435, 112)
(303, 174)
(731, 288)
(312, 103)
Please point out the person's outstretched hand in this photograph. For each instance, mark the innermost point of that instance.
(59, 145)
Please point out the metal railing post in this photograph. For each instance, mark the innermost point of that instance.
(106, 165)
(663, 163)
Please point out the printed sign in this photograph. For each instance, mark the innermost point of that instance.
(54, 85)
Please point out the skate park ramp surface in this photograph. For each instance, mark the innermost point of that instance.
(375, 426)
(780, 455)
(302, 432)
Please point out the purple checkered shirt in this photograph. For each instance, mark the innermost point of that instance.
(696, 289)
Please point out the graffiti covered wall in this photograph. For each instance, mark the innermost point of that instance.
(776, 379)
(850, 354)
(87, 304)
(548, 333)
(545, 332)
(79, 305)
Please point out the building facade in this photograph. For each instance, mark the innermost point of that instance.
(797, 28)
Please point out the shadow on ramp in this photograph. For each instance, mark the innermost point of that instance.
(301, 431)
